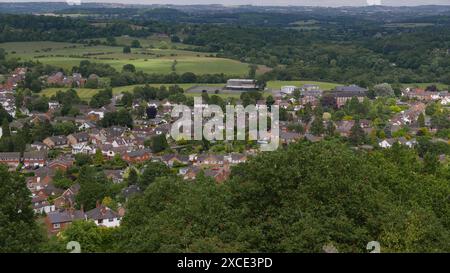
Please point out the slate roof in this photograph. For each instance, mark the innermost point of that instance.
(65, 216)
(10, 156)
(101, 212)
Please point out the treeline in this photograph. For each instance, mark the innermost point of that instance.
(14, 28)
(350, 49)
(129, 75)
(357, 51)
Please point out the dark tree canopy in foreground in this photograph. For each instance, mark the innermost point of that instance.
(297, 200)
(18, 229)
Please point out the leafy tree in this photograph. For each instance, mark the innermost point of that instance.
(151, 112)
(93, 187)
(270, 101)
(135, 44)
(110, 40)
(283, 115)
(18, 229)
(133, 177)
(129, 68)
(5, 128)
(317, 128)
(318, 194)
(60, 180)
(92, 239)
(188, 77)
(431, 163)
(83, 159)
(122, 118)
(252, 71)
(99, 160)
(383, 90)
(159, 143)
(101, 98)
(152, 171)
(330, 130)
(421, 120)
(127, 99)
(297, 94)
(116, 163)
(126, 50)
(357, 135)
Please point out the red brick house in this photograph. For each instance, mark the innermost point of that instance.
(136, 156)
(34, 159)
(60, 164)
(10, 159)
(58, 220)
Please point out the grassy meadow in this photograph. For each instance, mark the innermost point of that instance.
(157, 55)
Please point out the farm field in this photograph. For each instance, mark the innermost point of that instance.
(154, 57)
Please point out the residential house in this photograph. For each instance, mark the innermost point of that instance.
(39, 146)
(87, 125)
(136, 156)
(387, 143)
(60, 219)
(53, 105)
(171, 159)
(210, 159)
(115, 175)
(83, 148)
(67, 198)
(61, 164)
(289, 137)
(78, 138)
(236, 158)
(56, 141)
(344, 127)
(34, 159)
(11, 159)
(104, 216)
(219, 174)
(41, 205)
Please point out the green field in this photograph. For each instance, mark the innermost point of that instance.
(322, 85)
(155, 56)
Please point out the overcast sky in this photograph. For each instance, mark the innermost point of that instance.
(268, 2)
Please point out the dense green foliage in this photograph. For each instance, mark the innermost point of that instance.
(334, 45)
(297, 200)
(18, 230)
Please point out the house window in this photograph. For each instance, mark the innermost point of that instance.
(111, 220)
(55, 226)
(100, 221)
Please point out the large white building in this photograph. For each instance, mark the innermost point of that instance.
(288, 89)
(241, 84)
